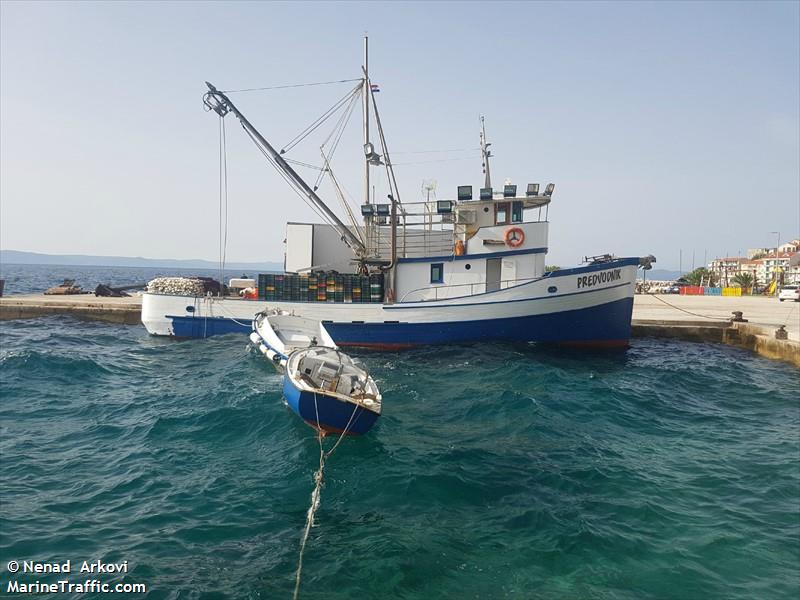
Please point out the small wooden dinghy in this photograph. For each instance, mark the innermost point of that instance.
(330, 392)
(277, 334)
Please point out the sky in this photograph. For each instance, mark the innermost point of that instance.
(670, 128)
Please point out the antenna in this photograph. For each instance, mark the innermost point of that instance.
(429, 188)
(485, 155)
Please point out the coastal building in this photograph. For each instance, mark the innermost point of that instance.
(776, 266)
(764, 269)
(753, 252)
(725, 269)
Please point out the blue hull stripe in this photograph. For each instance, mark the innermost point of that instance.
(609, 322)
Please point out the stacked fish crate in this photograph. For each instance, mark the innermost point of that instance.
(327, 286)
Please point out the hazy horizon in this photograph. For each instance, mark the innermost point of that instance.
(665, 126)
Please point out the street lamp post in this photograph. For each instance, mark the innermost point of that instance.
(775, 266)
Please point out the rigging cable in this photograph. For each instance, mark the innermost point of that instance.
(337, 133)
(320, 120)
(286, 178)
(436, 151)
(346, 205)
(440, 160)
(292, 85)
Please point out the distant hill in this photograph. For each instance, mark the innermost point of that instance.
(34, 258)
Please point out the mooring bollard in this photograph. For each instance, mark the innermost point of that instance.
(737, 317)
(781, 333)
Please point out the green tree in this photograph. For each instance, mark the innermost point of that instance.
(551, 268)
(758, 255)
(743, 280)
(701, 274)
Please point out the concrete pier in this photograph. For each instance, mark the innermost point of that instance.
(690, 318)
(86, 306)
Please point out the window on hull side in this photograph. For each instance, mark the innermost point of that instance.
(437, 272)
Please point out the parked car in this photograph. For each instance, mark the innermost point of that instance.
(675, 287)
(789, 292)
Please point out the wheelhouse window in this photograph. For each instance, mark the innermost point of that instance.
(437, 272)
(516, 212)
(501, 213)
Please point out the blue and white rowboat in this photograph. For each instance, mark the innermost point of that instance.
(330, 392)
(276, 334)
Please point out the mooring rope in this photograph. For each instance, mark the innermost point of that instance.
(791, 310)
(317, 491)
(688, 312)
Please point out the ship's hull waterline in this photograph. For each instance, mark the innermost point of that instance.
(584, 306)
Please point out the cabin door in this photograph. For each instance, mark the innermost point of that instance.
(493, 269)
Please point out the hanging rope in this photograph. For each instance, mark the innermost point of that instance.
(223, 200)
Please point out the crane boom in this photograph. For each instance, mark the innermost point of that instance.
(222, 105)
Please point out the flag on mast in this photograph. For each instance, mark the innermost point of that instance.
(374, 87)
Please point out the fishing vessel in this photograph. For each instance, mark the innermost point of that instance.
(466, 268)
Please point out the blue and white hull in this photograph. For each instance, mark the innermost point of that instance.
(330, 391)
(326, 412)
(585, 306)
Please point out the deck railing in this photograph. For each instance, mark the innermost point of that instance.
(479, 285)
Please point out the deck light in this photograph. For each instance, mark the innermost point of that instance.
(533, 189)
(444, 207)
(465, 192)
(367, 210)
(486, 193)
(383, 210)
(548, 191)
(509, 191)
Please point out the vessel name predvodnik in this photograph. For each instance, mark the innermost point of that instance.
(466, 269)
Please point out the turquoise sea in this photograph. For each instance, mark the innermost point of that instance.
(670, 471)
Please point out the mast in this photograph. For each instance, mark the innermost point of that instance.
(485, 154)
(365, 112)
(221, 104)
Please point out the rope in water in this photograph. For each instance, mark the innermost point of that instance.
(319, 475)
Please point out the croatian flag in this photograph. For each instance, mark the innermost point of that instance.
(374, 87)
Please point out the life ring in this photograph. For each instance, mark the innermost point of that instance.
(514, 236)
(459, 249)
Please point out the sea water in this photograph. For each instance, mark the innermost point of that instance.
(671, 470)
